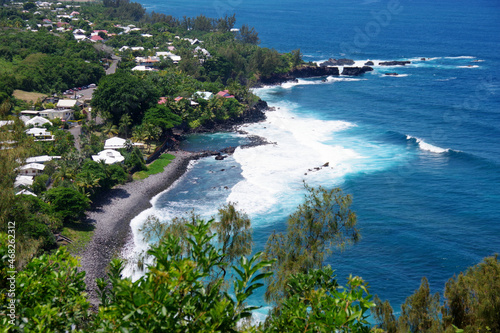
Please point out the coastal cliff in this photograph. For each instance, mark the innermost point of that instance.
(310, 71)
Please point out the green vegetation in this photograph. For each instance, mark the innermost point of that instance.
(471, 303)
(156, 167)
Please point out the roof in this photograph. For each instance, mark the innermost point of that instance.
(115, 142)
(109, 156)
(143, 68)
(36, 166)
(26, 192)
(37, 121)
(30, 112)
(162, 100)
(96, 38)
(23, 181)
(66, 103)
(6, 122)
(41, 159)
(37, 131)
(225, 94)
(204, 94)
(178, 98)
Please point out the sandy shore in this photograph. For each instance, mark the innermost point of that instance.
(111, 217)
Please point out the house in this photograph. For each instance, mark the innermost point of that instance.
(147, 35)
(37, 121)
(173, 57)
(109, 156)
(66, 104)
(206, 95)
(78, 32)
(64, 114)
(162, 100)
(225, 94)
(143, 68)
(6, 122)
(178, 98)
(117, 143)
(148, 62)
(96, 38)
(23, 181)
(137, 48)
(31, 169)
(80, 37)
(30, 113)
(41, 159)
(26, 192)
(40, 134)
(202, 51)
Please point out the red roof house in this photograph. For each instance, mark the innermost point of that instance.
(225, 94)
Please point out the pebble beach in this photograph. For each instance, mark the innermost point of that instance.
(111, 216)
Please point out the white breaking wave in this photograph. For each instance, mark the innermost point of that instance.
(426, 146)
(298, 146)
(468, 66)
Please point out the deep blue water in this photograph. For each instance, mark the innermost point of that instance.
(420, 153)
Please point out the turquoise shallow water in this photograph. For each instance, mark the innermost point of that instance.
(420, 153)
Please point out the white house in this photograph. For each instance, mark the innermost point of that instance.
(109, 156)
(143, 68)
(40, 134)
(31, 169)
(66, 103)
(30, 113)
(37, 121)
(6, 122)
(206, 95)
(64, 114)
(117, 143)
(41, 159)
(23, 181)
(26, 192)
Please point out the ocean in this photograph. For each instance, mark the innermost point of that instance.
(419, 152)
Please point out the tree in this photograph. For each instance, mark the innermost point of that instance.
(162, 116)
(421, 311)
(323, 222)
(124, 93)
(172, 296)
(50, 296)
(249, 35)
(315, 303)
(125, 122)
(67, 202)
(473, 298)
(471, 304)
(151, 133)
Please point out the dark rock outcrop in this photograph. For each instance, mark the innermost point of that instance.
(391, 74)
(394, 63)
(297, 73)
(337, 62)
(369, 63)
(355, 71)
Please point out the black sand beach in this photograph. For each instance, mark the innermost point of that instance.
(112, 214)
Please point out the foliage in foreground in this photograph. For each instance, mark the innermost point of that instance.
(471, 304)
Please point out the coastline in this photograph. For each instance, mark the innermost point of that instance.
(111, 216)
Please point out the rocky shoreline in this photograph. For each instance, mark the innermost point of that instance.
(111, 216)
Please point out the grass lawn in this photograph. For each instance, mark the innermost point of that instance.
(155, 167)
(28, 96)
(80, 233)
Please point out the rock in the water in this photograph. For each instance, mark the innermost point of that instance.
(355, 71)
(369, 63)
(391, 74)
(394, 63)
(337, 62)
(423, 59)
(220, 157)
(326, 164)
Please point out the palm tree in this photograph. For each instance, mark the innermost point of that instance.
(138, 135)
(110, 130)
(125, 122)
(63, 173)
(151, 133)
(87, 182)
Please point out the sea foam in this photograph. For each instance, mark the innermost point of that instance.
(426, 146)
